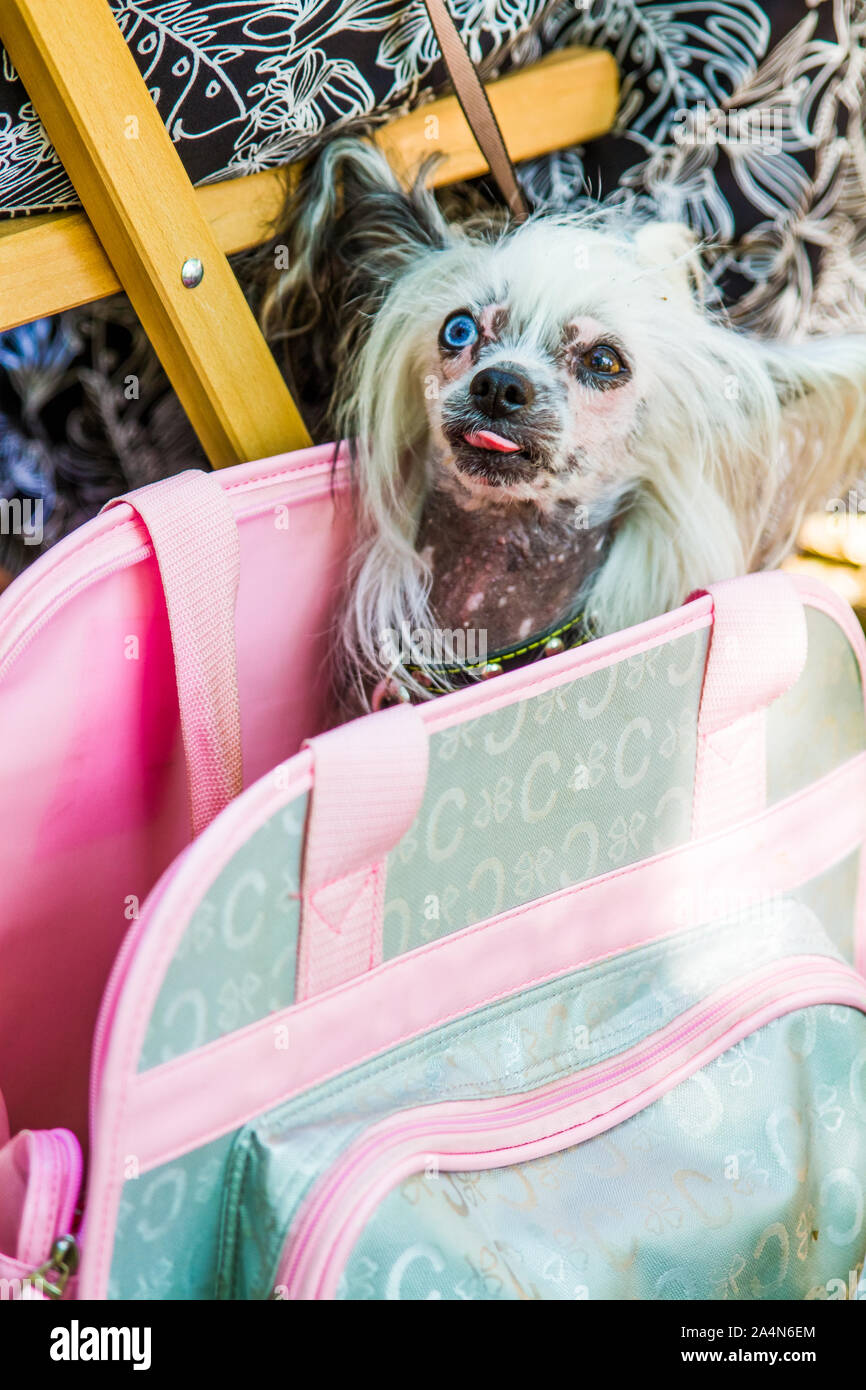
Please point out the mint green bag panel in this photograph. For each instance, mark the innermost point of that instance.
(592, 776)
(738, 1128)
(526, 805)
(681, 1201)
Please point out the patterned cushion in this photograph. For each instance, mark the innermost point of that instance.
(245, 86)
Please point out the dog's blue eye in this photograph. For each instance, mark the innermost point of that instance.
(459, 331)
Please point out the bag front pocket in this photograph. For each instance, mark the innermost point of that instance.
(535, 1219)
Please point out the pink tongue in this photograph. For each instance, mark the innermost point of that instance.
(486, 439)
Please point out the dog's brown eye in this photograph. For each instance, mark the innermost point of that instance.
(603, 360)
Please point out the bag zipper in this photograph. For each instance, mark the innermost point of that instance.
(50, 1279)
(114, 985)
(465, 1136)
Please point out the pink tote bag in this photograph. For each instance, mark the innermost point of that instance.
(121, 733)
(645, 859)
(173, 655)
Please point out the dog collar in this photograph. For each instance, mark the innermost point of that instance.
(439, 679)
(556, 639)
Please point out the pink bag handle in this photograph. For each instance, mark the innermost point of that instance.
(195, 541)
(368, 782)
(757, 652)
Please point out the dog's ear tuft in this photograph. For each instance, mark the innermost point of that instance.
(348, 231)
(672, 249)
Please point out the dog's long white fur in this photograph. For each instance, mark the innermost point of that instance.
(737, 437)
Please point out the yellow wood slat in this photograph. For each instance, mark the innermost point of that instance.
(53, 262)
(50, 263)
(567, 97)
(144, 211)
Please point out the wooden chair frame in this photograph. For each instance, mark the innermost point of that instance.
(142, 219)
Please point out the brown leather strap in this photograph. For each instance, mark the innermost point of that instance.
(476, 107)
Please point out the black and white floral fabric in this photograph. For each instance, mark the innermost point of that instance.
(745, 120)
(244, 85)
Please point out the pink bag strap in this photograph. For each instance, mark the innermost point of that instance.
(195, 541)
(476, 107)
(757, 652)
(368, 782)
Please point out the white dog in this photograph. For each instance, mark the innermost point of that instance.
(553, 435)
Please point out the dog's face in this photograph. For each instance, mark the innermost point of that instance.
(538, 359)
(568, 364)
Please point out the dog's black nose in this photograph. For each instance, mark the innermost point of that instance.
(499, 392)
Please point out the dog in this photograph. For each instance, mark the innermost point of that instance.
(554, 435)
